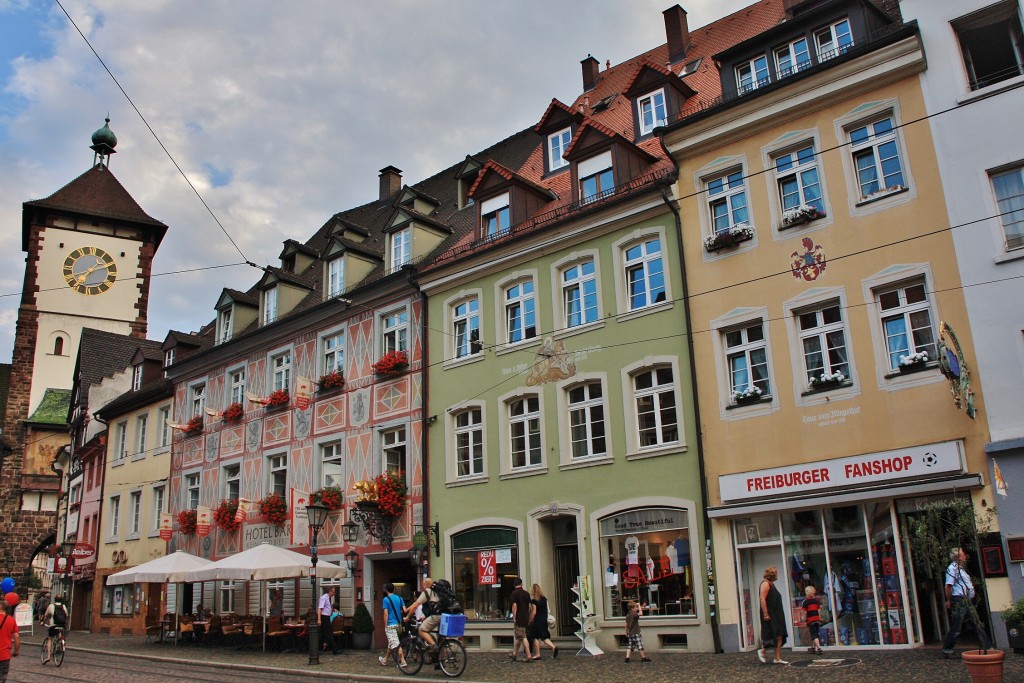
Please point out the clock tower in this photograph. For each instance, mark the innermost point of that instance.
(89, 256)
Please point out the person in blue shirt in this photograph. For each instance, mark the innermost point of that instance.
(393, 606)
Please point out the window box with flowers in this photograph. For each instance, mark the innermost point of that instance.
(224, 515)
(274, 509)
(331, 496)
(278, 399)
(193, 426)
(332, 381)
(913, 362)
(826, 381)
(725, 239)
(391, 363)
(234, 412)
(799, 215)
(751, 394)
(391, 490)
(187, 520)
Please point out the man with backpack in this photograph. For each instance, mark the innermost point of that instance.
(437, 598)
(56, 618)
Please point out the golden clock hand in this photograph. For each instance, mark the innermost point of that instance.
(84, 276)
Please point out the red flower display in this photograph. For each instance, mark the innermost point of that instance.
(234, 412)
(187, 522)
(193, 426)
(332, 380)
(274, 509)
(391, 362)
(391, 492)
(278, 397)
(224, 515)
(331, 496)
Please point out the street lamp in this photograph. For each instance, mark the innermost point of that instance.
(317, 515)
(352, 559)
(349, 531)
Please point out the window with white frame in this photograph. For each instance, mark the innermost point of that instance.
(281, 371)
(469, 442)
(75, 494)
(524, 431)
(198, 400)
(141, 433)
(579, 294)
(520, 312)
(224, 329)
(495, 215)
(332, 353)
(192, 491)
(876, 156)
(236, 385)
(336, 277)
(906, 322)
(135, 512)
(645, 275)
(657, 418)
(269, 305)
(277, 474)
(823, 341)
(833, 40)
(1009, 189)
(401, 248)
(586, 420)
(596, 178)
(466, 327)
(157, 508)
(727, 201)
(752, 75)
(747, 356)
(115, 516)
(137, 377)
(122, 440)
(395, 331)
(651, 111)
(992, 44)
(227, 597)
(163, 415)
(232, 481)
(792, 58)
(796, 175)
(393, 450)
(168, 359)
(557, 144)
(332, 472)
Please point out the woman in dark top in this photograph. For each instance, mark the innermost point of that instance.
(539, 627)
(773, 618)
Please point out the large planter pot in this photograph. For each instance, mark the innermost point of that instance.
(984, 666)
(363, 641)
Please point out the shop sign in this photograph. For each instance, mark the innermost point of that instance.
(917, 462)
(503, 555)
(267, 533)
(487, 568)
(643, 521)
(83, 550)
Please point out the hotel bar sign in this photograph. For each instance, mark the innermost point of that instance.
(917, 462)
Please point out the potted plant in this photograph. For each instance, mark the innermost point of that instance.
(391, 490)
(730, 237)
(826, 380)
(187, 520)
(234, 412)
(934, 532)
(274, 509)
(391, 363)
(278, 398)
(331, 496)
(799, 215)
(751, 394)
(1013, 617)
(332, 380)
(193, 426)
(362, 628)
(913, 362)
(226, 515)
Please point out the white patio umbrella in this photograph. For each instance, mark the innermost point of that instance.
(261, 563)
(167, 569)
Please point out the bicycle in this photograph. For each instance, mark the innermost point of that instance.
(53, 648)
(450, 655)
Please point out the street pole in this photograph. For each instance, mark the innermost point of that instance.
(314, 623)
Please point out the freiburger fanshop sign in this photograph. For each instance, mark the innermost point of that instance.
(916, 462)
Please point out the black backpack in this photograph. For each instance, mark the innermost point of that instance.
(60, 615)
(447, 600)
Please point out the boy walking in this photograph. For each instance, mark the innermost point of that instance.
(393, 607)
(633, 633)
(813, 607)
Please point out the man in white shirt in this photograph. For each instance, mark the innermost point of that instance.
(959, 597)
(326, 609)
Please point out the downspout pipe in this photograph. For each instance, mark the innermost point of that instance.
(411, 273)
(673, 206)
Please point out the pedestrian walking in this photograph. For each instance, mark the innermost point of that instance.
(326, 608)
(10, 641)
(393, 608)
(773, 618)
(636, 641)
(522, 616)
(539, 632)
(960, 596)
(812, 607)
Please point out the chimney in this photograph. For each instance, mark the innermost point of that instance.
(390, 181)
(590, 69)
(678, 33)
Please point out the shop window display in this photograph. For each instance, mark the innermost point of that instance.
(485, 561)
(648, 560)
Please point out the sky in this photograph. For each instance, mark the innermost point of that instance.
(280, 114)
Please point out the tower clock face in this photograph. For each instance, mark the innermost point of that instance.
(90, 270)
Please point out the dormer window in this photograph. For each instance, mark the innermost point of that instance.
(270, 305)
(752, 75)
(557, 142)
(651, 111)
(137, 377)
(792, 58)
(495, 217)
(401, 244)
(833, 40)
(335, 277)
(168, 359)
(596, 179)
(224, 326)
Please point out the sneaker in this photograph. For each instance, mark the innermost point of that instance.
(779, 661)
(627, 660)
(646, 659)
(950, 654)
(819, 651)
(760, 656)
(383, 662)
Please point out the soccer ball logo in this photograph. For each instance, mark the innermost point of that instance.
(930, 459)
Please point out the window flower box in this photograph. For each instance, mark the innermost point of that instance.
(741, 232)
(878, 194)
(747, 396)
(274, 509)
(799, 215)
(391, 490)
(331, 381)
(234, 413)
(193, 426)
(278, 398)
(826, 381)
(913, 362)
(331, 496)
(226, 515)
(391, 363)
(187, 522)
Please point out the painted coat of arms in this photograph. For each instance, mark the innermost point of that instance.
(810, 263)
(553, 363)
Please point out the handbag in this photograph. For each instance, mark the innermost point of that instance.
(551, 620)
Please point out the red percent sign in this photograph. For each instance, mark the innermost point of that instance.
(488, 567)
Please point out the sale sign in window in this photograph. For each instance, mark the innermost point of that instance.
(488, 568)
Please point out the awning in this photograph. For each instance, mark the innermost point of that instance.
(846, 496)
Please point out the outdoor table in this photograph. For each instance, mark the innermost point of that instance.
(199, 630)
(296, 631)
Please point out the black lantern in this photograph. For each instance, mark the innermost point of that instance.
(352, 560)
(316, 515)
(349, 531)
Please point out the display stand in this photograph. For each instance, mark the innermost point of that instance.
(587, 632)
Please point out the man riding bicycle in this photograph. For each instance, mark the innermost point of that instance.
(56, 619)
(431, 603)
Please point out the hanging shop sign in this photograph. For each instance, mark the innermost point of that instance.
(915, 462)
